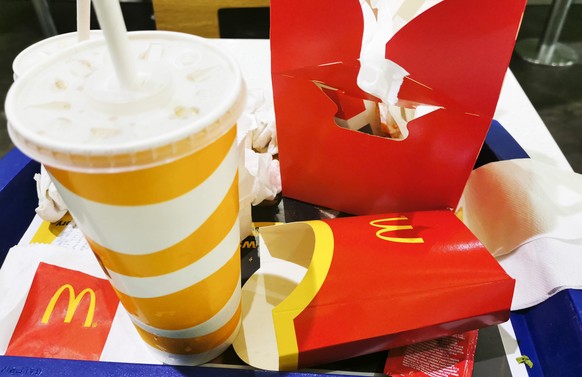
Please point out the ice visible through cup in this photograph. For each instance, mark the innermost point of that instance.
(150, 177)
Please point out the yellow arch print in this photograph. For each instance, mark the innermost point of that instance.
(299, 299)
(386, 228)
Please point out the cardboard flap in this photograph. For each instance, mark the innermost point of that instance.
(462, 48)
(342, 76)
(456, 52)
(315, 34)
(294, 263)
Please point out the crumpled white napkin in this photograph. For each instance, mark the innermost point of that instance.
(378, 76)
(259, 172)
(529, 215)
(51, 206)
(256, 125)
(259, 175)
(382, 77)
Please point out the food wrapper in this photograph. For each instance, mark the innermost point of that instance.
(57, 303)
(451, 356)
(334, 289)
(341, 67)
(51, 206)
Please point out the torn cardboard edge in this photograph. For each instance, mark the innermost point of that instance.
(371, 117)
(452, 356)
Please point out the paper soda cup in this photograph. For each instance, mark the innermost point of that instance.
(150, 177)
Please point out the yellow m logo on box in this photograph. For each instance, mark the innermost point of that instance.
(388, 228)
(74, 301)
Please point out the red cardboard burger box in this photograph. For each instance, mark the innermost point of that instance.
(456, 53)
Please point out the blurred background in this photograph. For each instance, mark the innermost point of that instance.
(555, 91)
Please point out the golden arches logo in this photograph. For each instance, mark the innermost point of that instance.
(249, 244)
(386, 228)
(74, 301)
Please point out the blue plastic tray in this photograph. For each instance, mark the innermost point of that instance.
(550, 334)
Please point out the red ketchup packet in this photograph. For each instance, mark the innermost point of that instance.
(451, 356)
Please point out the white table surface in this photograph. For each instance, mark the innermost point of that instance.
(514, 110)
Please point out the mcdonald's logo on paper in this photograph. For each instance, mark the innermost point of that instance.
(387, 226)
(67, 314)
(73, 304)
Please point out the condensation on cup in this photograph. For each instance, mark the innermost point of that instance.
(150, 177)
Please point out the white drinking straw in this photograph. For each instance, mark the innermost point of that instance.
(83, 19)
(111, 22)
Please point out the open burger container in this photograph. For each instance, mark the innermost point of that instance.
(456, 53)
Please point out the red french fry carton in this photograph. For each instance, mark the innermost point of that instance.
(456, 53)
(329, 290)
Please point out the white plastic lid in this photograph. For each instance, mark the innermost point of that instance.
(36, 53)
(69, 111)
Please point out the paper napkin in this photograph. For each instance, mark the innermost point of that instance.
(529, 215)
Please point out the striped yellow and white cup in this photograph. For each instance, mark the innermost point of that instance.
(151, 181)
